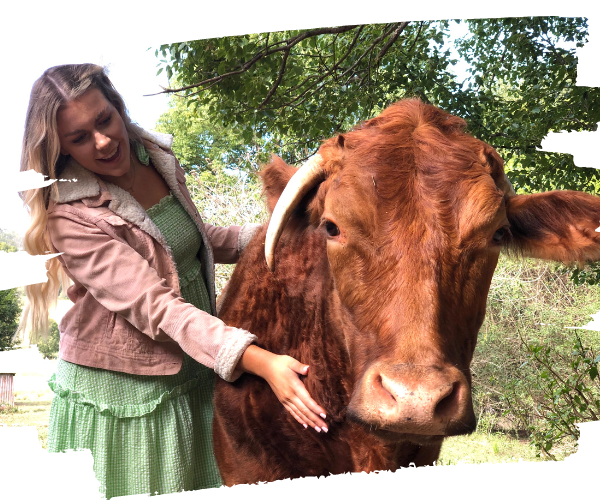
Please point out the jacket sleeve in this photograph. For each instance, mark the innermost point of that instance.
(122, 281)
(228, 242)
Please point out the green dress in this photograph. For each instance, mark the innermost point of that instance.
(147, 434)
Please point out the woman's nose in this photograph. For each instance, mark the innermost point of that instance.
(101, 140)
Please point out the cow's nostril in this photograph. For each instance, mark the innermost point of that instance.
(448, 404)
(381, 385)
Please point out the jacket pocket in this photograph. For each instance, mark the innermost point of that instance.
(116, 332)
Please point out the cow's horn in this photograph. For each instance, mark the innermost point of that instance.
(507, 187)
(307, 176)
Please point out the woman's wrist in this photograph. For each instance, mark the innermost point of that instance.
(256, 360)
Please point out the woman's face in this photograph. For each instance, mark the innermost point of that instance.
(91, 130)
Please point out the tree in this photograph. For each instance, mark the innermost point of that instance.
(522, 86)
(49, 347)
(10, 312)
(296, 88)
(291, 86)
(10, 308)
(201, 144)
(11, 239)
(284, 92)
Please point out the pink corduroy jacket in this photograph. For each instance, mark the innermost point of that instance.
(127, 313)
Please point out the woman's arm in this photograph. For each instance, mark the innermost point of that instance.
(227, 243)
(97, 255)
(281, 372)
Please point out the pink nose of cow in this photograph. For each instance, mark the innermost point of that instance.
(414, 399)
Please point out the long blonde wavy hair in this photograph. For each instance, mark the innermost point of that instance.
(56, 87)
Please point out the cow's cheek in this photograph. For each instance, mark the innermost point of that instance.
(351, 265)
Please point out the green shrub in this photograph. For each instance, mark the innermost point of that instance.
(7, 409)
(566, 391)
(10, 313)
(224, 200)
(49, 347)
(531, 305)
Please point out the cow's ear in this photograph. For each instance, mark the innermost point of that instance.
(494, 165)
(275, 176)
(558, 225)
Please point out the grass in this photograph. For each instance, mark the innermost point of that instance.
(484, 447)
(28, 413)
(32, 405)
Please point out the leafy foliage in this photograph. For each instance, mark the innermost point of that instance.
(284, 92)
(49, 347)
(299, 87)
(10, 312)
(522, 86)
(567, 392)
(225, 200)
(5, 247)
(525, 355)
(201, 144)
(7, 408)
(10, 307)
(11, 239)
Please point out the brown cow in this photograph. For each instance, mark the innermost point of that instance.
(379, 283)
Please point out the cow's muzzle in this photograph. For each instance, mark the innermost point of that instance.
(407, 400)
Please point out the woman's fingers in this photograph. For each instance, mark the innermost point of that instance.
(283, 375)
(294, 414)
(302, 401)
(302, 415)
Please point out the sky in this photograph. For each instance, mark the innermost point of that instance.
(132, 69)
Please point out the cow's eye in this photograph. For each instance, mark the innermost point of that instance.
(500, 235)
(331, 228)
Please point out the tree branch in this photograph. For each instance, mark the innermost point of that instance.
(313, 77)
(277, 82)
(390, 42)
(375, 42)
(325, 75)
(205, 84)
(416, 37)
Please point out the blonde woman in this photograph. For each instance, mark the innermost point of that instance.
(140, 345)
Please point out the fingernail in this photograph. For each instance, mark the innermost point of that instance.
(305, 426)
(318, 429)
(323, 415)
(325, 429)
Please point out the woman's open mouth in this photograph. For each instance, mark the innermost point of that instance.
(113, 158)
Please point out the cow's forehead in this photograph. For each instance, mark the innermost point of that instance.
(404, 191)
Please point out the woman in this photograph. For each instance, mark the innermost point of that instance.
(140, 343)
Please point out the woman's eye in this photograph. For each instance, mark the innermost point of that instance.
(106, 121)
(332, 229)
(78, 139)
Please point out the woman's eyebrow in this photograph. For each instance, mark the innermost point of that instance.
(98, 116)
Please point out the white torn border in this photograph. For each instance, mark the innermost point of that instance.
(21, 269)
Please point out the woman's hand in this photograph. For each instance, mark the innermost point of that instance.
(282, 374)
